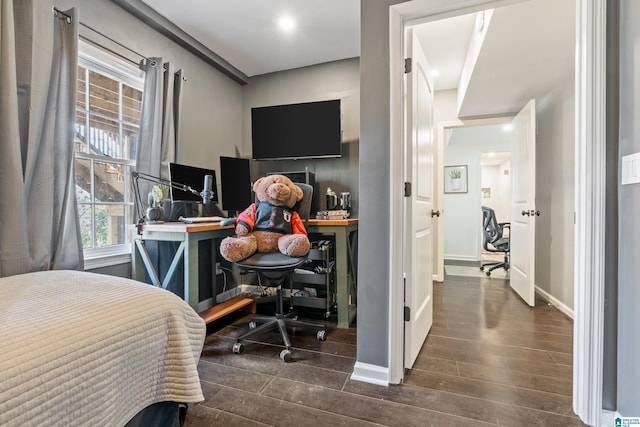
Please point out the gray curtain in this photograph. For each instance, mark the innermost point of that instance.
(159, 128)
(159, 122)
(39, 227)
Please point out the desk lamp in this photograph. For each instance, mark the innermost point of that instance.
(154, 214)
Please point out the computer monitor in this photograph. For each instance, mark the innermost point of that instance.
(235, 174)
(194, 177)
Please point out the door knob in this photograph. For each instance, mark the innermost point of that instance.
(525, 213)
(435, 213)
(537, 213)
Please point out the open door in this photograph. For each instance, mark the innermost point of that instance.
(418, 245)
(523, 211)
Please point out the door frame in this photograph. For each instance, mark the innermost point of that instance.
(590, 168)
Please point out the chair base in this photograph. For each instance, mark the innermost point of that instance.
(280, 321)
(495, 265)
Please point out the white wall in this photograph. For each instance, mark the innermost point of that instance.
(494, 177)
(462, 213)
(555, 193)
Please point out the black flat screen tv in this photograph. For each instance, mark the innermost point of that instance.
(194, 178)
(235, 182)
(296, 131)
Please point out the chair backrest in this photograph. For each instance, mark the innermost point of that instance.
(304, 205)
(491, 229)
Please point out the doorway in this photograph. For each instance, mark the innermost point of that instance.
(590, 168)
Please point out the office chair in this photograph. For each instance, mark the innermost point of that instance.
(276, 268)
(494, 240)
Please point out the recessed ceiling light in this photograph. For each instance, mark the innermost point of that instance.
(434, 73)
(286, 23)
(507, 127)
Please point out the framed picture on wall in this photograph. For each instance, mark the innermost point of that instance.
(455, 179)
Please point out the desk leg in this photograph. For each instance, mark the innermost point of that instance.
(139, 257)
(191, 269)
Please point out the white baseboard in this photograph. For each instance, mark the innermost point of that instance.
(372, 374)
(555, 302)
(460, 258)
(227, 295)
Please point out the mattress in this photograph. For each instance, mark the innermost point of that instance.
(80, 349)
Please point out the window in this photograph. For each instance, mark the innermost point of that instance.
(107, 129)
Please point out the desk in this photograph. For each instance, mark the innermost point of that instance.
(346, 234)
(188, 235)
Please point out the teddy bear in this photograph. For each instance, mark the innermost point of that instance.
(269, 225)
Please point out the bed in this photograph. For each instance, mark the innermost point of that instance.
(80, 348)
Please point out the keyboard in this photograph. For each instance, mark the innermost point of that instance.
(198, 219)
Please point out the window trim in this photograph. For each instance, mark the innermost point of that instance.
(94, 58)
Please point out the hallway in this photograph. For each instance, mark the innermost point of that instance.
(489, 360)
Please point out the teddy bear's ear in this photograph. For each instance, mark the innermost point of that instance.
(258, 183)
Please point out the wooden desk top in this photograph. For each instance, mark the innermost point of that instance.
(181, 227)
(333, 222)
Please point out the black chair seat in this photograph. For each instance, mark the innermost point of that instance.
(274, 261)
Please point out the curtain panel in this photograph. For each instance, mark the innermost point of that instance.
(39, 226)
(159, 122)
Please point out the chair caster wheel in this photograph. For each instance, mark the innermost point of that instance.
(252, 325)
(237, 348)
(285, 355)
(481, 268)
(488, 273)
(321, 335)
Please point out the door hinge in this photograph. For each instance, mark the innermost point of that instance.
(407, 65)
(407, 314)
(407, 189)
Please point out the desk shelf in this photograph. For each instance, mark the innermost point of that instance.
(234, 304)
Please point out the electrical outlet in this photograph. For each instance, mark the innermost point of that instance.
(218, 268)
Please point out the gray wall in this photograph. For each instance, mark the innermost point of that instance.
(211, 119)
(374, 245)
(555, 117)
(334, 80)
(629, 226)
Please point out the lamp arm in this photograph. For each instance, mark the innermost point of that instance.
(178, 186)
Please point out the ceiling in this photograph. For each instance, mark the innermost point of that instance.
(528, 46)
(246, 34)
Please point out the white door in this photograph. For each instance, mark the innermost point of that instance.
(523, 211)
(418, 245)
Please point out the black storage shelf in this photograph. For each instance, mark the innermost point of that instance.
(318, 278)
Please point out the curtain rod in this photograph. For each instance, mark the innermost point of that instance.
(69, 18)
(116, 42)
(57, 12)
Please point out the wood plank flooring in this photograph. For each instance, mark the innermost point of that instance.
(489, 360)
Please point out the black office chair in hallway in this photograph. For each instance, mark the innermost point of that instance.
(275, 268)
(494, 239)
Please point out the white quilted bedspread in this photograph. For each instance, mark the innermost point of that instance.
(83, 349)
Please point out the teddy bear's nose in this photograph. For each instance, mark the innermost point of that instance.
(279, 191)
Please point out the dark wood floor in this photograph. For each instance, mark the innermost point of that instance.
(489, 360)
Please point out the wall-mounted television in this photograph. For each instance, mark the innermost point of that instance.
(194, 178)
(296, 131)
